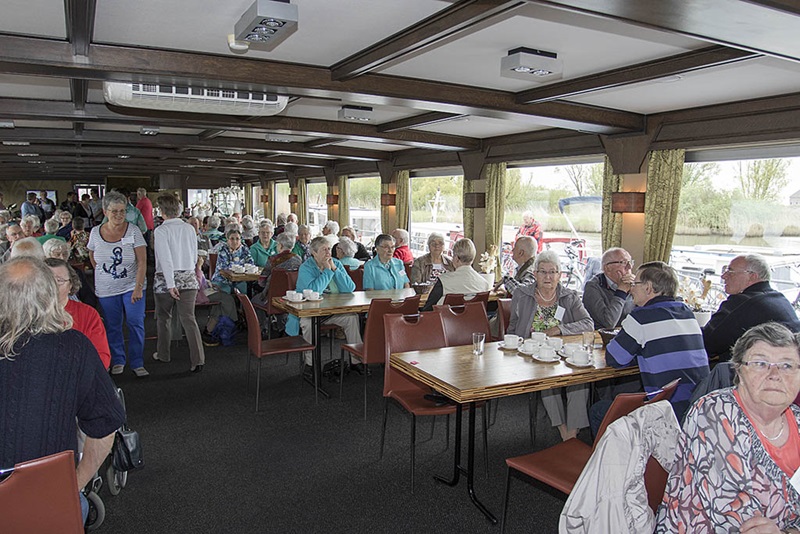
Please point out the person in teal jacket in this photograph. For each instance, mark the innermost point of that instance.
(383, 271)
(266, 247)
(324, 274)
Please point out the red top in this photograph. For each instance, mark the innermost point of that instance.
(534, 231)
(788, 455)
(86, 320)
(404, 253)
(146, 207)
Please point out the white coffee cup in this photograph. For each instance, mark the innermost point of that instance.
(237, 269)
(547, 353)
(539, 337)
(555, 342)
(307, 293)
(580, 357)
(529, 345)
(291, 295)
(570, 348)
(510, 341)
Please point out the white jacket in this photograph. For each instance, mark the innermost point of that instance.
(610, 494)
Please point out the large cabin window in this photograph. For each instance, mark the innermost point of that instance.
(435, 206)
(365, 214)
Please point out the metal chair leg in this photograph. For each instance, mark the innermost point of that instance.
(413, 447)
(433, 427)
(385, 413)
(447, 435)
(486, 438)
(258, 383)
(366, 372)
(533, 412)
(505, 501)
(341, 371)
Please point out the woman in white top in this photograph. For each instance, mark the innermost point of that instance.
(175, 283)
(119, 256)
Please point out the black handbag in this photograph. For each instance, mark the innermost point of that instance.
(126, 454)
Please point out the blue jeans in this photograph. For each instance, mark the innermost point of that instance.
(84, 506)
(115, 309)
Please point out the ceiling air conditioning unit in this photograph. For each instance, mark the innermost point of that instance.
(193, 99)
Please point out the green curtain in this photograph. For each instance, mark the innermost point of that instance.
(468, 186)
(403, 181)
(344, 201)
(664, 177)
(495, 176)
(385, 211)
(611, 224)
(331, 213)
(302, 203)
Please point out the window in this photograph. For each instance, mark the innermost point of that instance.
(255, 201)
(316, 195)
(200, 202)
(436, 206)
(281, 202)
(365, 214)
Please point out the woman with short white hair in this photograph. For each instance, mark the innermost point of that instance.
(265, 247)
(30, 225)
(428, 267)
(463, 279)
(50, 229)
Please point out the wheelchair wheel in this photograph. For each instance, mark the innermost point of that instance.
(97, 511)
(116, 480)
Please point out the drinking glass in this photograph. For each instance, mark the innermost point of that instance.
(588, 342)
(478, 339)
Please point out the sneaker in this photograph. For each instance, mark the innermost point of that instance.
(155, 357)
(141, 372)
(117, 369)
(208, 341)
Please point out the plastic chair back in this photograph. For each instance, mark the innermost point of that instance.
(461, 322)
(358, 277)
(374, 333)
(406, 333)
(280, 282)
(41, 496)
(253, 326)
(504, 315)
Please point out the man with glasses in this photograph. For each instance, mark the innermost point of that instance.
(751, 301)
(607, 296)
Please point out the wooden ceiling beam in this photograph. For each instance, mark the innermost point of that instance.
(713, 56)
(460, 16)
(424, 119)
(80, 16)
(48, 57)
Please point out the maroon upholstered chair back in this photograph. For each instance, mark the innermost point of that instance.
(460, 322)
(358, 277)
(280, 282)
(40, 496)
(623, 404)
(504, 315)
(374, 332)
(253, 326)
(458, 299)
(406, 333)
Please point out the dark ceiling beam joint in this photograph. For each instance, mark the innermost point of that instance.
(323, 141)
(80, 15)
(79, 92)
(424, 119)
(205, 135)
(449, 21)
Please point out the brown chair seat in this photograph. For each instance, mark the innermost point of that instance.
(564, 463)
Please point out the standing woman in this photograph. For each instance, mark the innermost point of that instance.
(175, 284)
(119, 256)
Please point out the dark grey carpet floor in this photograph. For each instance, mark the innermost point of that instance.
(215, 466)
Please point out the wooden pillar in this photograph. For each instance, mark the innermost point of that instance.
(388, 186)
(472, 163)
(333, 193)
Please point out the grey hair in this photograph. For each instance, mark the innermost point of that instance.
(74, 280)
(435, 236)
(403, 234)
(247, 222)
(142, 190)
(527, 244)
(548, 256)
(291, 228)
(333, 226)
(380, 239)
(28, 247)
(347, 246)
(55, 248)
(33, 220)
(663, 278)
(772, 333)
(114, 197)
(266, 223)
(285, 240)
(28, 304)
(281, 219)
(612, 253)
(169, 205)
(758, 264)
(230, 227)
(65, 212)
(213, 221)
(464, 250)
(302, 227)
(5, 214)
(318, 242)
(51, 226)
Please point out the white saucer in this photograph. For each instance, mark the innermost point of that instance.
(502, 346)
(525, 352)
(294, 301)
(314, 300)
(543, 360)
(562, 353)
(590, 363)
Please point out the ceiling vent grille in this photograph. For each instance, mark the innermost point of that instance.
(193, 99)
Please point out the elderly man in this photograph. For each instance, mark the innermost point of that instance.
(13, 233)
(523, 254)
(464, 279)
(47, 205)
(751, 301)
(323, 273)
(607, 296)
(401, 251)
(31, 207)
(361, 250)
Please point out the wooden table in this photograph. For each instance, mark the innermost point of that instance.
(467, 379)
(240, 277)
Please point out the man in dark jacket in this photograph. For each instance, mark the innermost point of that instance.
(607, 296)
(751, 301)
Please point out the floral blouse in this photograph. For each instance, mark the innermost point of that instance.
(78, 242)
(544, 318)
(228, 258)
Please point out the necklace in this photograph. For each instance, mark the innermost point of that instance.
(783, 427)
(551, 299)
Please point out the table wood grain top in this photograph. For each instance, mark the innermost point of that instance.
(464, 377)
(240, 277)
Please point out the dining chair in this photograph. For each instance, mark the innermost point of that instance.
(260, 348)
(41, 496)
(212, 264)
(406, 333)
(281, 281)
(358, 277)
(459, 299)
(560, 466)
(373, 349)
(460, 322)
(503, 316)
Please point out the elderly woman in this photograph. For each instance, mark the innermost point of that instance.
(50, 229)
(740, 446)
(248, 228)
(232, 252)
(66, 225)
(55, 248)
(547, 306)
(85, 318)
(323, 273)
(361, 251)
(78, 240)
(345, 251)
(266, 246)
(212, 230)
(174, 283)
(303, 239)
(384, 271)
(30, 226)
(119, 256)
(50, 376)
(463, 279)
(284, 259)
(428, 267)
(331, 232)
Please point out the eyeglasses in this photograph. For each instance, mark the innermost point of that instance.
(726, 269)
(636, 283)
(548, 273)
(387, 247)
(762, 367)
(627, 263)
(62, 281)
(116, 212)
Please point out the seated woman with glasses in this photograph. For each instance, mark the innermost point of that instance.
(738, 461)
(384, 271)
(428, 267)
(464, 279)
(547, 306)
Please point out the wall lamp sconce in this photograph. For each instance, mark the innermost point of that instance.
(627, 202)
(264, 198)
(292, 199)
(388, 199)
(332, 200)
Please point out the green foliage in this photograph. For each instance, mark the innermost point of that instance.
(762, 179)
(423, 190)
(586, 179)
(316, 193)
(703, 209)
(365, 193)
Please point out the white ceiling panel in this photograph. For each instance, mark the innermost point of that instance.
(372, 146)
(36, 87)
(480, 127)
(42, 18)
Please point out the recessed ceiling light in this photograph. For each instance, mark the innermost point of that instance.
(6, 124)
(236, 152)
(123, 156)
(207, 160)
(36, 161)
(671, 79)
(356, 113)
(266, 24)
(273, 139)
(149, 130)
(16, 143)
(28, 155)
(531, 64)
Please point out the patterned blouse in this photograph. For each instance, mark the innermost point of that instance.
(724, 476)
(228, 258)
(544, 318)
